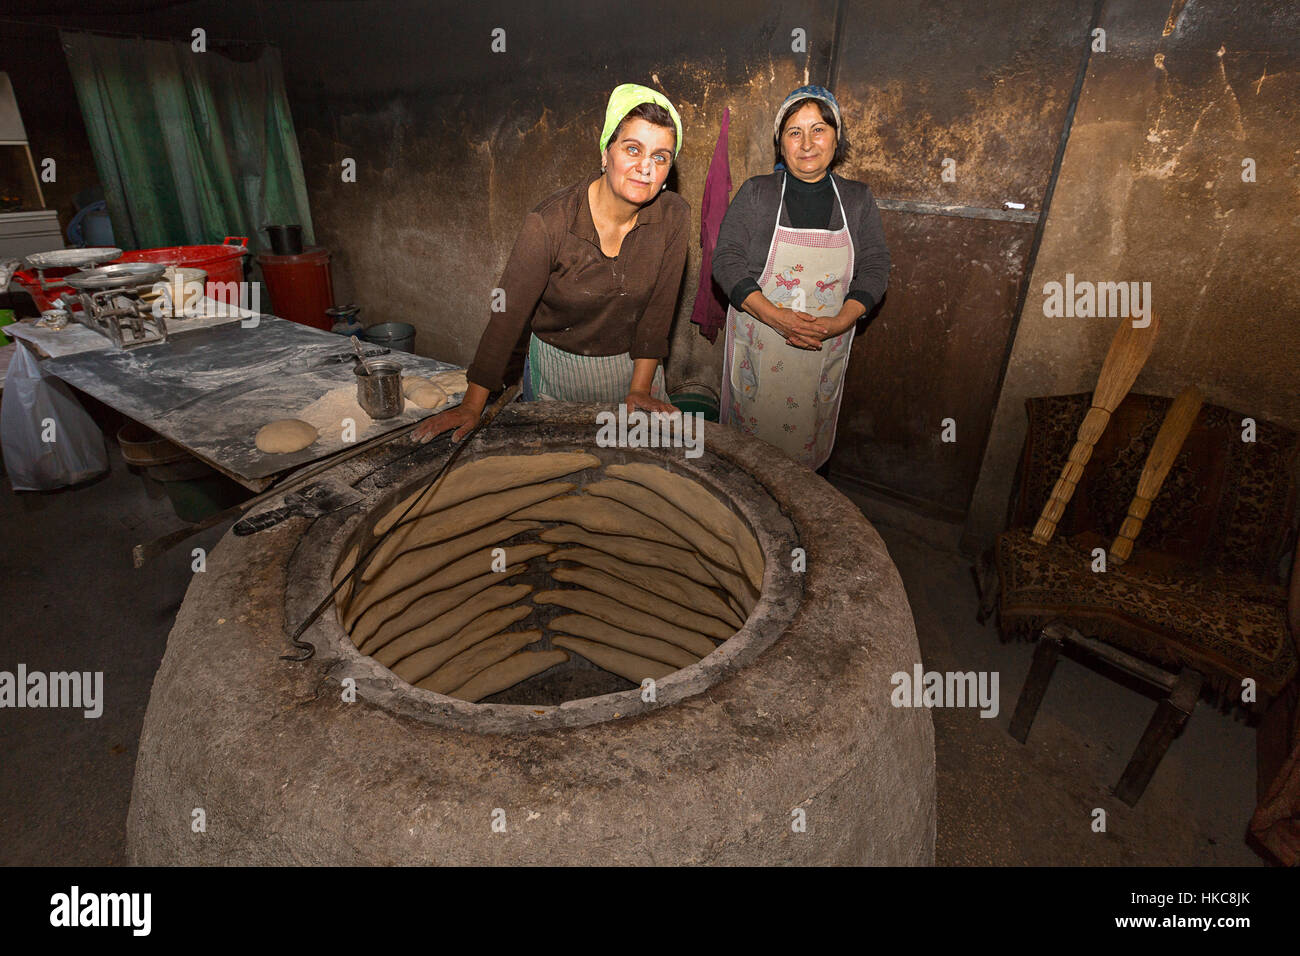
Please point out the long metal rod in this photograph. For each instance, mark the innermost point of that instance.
(143, 553)
(963, 212)
(508, 396)
(833, 61)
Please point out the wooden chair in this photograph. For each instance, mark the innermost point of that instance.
(1202, 601)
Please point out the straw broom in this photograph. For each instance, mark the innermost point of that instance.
(1169, 440)
(1127, 354)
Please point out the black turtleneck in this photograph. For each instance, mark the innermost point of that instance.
(809, 205)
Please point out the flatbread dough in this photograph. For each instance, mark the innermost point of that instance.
(620, 615)
(285, 436)
(409, 568)
(452, 381)
(482, 655)
(698, 502)
(341, 596)
(424, 609)
(735, 584)
(602, 516)
(344, 567)
(606, 525)
(509, 672)
(625, 665)
(643, 600)
(450, 623)
(458, 572)
(411, 382)
(453, 522)
(476, 478)
(595, 630)
(666, 513)
(419, 665)
(675, 587)
(426, 395)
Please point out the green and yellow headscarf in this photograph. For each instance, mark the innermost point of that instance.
(628, 97)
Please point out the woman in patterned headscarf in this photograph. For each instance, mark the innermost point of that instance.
(594, 274)
(802, 256)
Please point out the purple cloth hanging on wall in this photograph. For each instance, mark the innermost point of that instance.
(710, 301)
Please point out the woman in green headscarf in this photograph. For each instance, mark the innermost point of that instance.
(594, 274)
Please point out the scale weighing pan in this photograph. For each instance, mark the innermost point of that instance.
(119, 276)
(73, 258)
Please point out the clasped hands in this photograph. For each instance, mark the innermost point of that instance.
(799, 329)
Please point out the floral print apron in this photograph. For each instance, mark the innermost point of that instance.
(790, 397)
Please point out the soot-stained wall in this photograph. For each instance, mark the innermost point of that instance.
(957, 105)
(1152, 190)
(455, 143)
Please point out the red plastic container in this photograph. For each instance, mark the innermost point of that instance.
(301, 287)
(44, 297)
(223, 263)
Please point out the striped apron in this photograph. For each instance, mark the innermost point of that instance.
(554, 375)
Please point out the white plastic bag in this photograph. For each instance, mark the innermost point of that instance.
(49, 440)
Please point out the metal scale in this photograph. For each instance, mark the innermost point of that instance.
(69, 259)
(112, 302)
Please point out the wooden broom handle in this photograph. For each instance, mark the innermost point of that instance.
(1128, 352)
(1169, 441)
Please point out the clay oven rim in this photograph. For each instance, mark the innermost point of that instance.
(516, 432)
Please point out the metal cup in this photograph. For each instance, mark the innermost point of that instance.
(379, 388)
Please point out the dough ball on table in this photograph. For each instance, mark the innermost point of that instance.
(411, 382)
(452, 382)
(285, 436)
(426, 395)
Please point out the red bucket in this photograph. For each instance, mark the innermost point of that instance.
(44, 297)
(223, 264)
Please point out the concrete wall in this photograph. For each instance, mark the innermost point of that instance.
(1151, 190)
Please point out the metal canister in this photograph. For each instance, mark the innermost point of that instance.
(379, 388)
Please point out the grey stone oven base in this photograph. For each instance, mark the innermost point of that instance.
(286, 771)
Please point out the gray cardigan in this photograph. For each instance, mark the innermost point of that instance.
(746, 236)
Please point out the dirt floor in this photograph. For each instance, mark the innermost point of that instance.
(74, 601)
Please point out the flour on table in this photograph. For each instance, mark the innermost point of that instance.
(328, 411)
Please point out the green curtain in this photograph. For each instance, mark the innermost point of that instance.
(191, 147)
